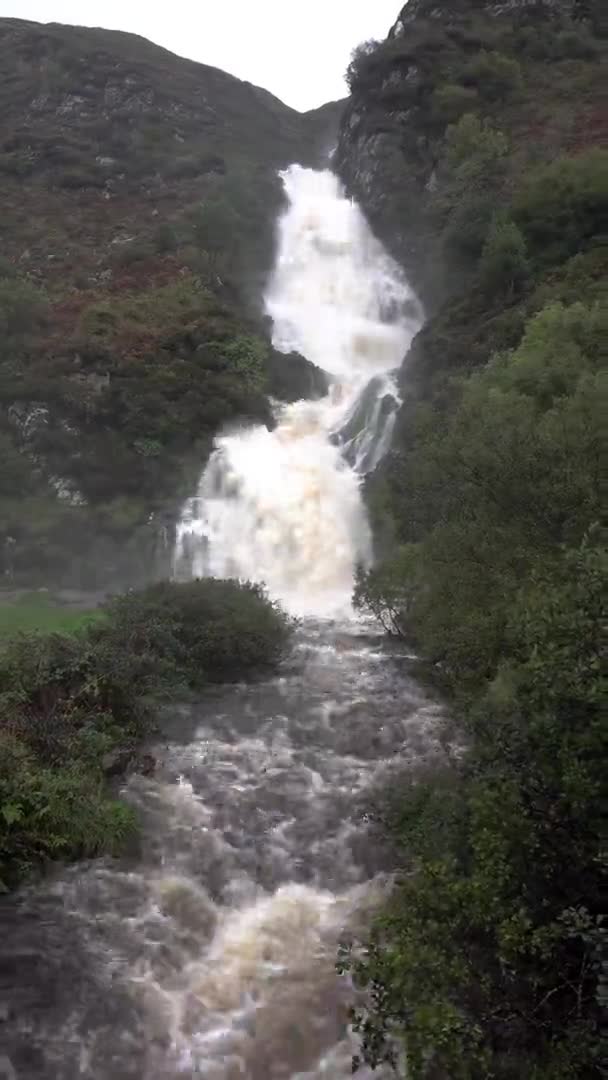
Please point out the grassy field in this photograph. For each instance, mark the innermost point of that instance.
(36, 611)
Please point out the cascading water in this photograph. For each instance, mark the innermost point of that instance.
(285, 506)
(210, 955)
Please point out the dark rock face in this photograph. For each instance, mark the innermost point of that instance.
(293, 377)
(446, 12)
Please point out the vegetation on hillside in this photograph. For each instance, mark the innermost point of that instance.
(490, 957)
(75, 705)
(139, 197)
(529, 74)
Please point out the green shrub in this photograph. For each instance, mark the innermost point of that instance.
(562, 206)
(161, 311)
(23, 307)
(215, 226)
(360, 65)
(166, 239)
(496, 77)
(69, 703)
(48, 814)
(514, 472)
(488, 959)
(475, 152)
(81, 176)
(451, 101)
(16, 473)
(504, 264)
(125, 255)
(475, 167)
(197, 632)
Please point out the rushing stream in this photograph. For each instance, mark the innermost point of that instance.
(210, 953)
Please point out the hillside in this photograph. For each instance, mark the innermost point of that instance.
(528, 65)
(139, 195)
(476, 138)
(108, 137)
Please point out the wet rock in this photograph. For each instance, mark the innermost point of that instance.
(291, 377)
(117, 761)
(147, 765)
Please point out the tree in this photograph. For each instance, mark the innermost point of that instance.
(504, 263)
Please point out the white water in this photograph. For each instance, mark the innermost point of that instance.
(285, 506)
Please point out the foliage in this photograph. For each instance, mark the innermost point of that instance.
(487, 960)
(475, 164)
(562, 206)
(164, 309)
(512, 473)
(199, 632)
(504, 264)
(159, 372)
(451, 101)
(359, 61)
(72, 702)
(496, 77)
(48, 814)
(23, 307)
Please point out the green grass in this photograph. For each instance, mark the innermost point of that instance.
(37, 612)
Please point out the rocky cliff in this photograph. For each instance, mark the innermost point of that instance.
(534, 64)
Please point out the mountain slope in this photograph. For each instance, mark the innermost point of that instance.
(103, 132)
(476, 139)
(139, 195)
(527, 63)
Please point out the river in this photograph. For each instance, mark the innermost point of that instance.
(210, 953)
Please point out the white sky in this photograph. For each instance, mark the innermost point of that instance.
(298, 50)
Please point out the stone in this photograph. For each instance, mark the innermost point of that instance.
(117, 761)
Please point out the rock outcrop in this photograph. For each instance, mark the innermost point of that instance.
(435, 65)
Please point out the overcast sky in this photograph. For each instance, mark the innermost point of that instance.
(298, 50)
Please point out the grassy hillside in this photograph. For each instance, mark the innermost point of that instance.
(490, 958)
(139, 194)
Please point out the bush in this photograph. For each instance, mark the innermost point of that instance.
(451, 101)
(166, 239)
(475, 167)
(360, 66)
(215, 226)
(81, 176)
(23, 307)
(496, 77)
(71, 703)
(475, 151)
(197, 632)
(487, 959)
(504, 263)
(562, 206)
(512, 473)
(48, 814)
(125, 255)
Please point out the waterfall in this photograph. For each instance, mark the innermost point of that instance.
(285, 506)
